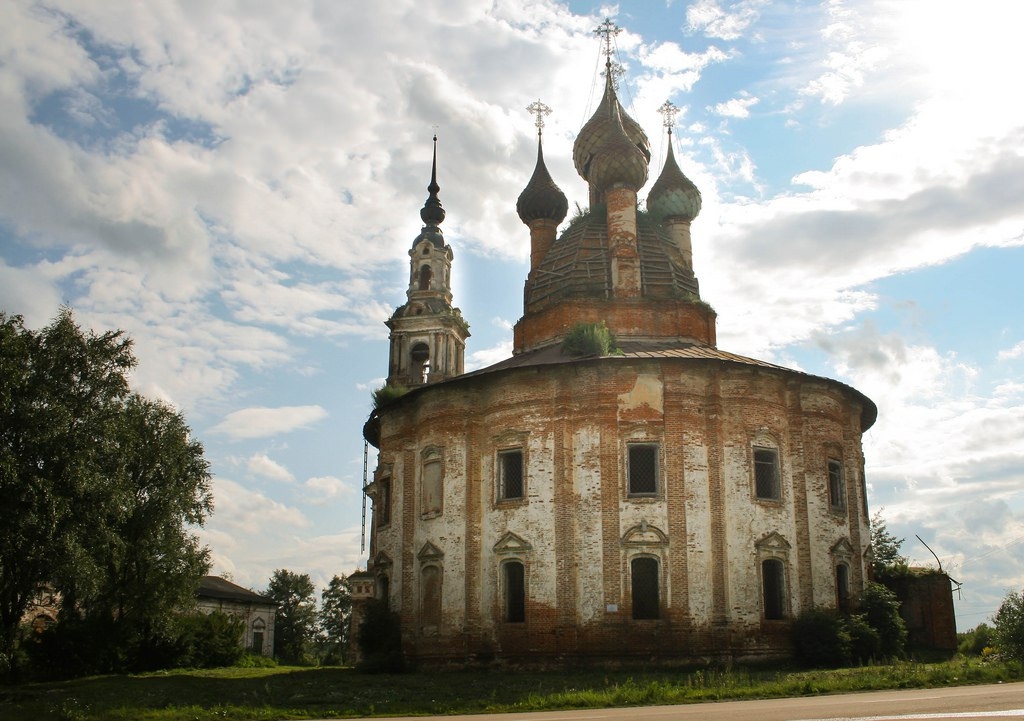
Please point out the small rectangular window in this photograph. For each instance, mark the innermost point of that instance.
(836, 487)
(766, 474)
(643, 469)
(510, 474)
(432, 487)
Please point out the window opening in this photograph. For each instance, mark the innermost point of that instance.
(426, 275)
(836, 487)
(766, 474)
(644, 585)
(258, 628)
(643, 469)
(515, 592)
(773, 581)
(510, 474)
(843, 587)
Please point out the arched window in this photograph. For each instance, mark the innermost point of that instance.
(773, 583)
(426, 275)
(644, 584)
(259, 627)
(842, 587)
(514, 580)
(430, 597)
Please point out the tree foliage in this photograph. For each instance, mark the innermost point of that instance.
(1009, 627)
(295, 623)
(335, 621)
(886, 559)
(99, 485)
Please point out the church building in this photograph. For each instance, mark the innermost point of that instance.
(620, 487)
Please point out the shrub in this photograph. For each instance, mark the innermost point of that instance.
(1009, 627)
(380, 640)
(589, 339)
(975, 641)
(821, 639)
(881, 610)
(865, 641)
(387, 393)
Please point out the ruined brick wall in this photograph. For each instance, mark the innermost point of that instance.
(577, 529)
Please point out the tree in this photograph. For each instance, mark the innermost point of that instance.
(98, 484)
(885, 549)
(295, 623)
(335, 620)
(1009, 627)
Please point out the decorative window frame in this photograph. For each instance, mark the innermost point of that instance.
(774, 547)
(835, 483)
(512, 548)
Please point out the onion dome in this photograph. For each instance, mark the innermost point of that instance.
(433, 213)
(617, 160)
(541, 198)
(673, 194)
(596, 130)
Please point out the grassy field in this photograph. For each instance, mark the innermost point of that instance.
(304, 693)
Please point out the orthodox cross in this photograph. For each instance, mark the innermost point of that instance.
(668, 113)
(538, 110)
(607, 30)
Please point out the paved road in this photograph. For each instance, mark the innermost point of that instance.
(999, 701)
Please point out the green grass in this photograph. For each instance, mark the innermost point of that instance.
(303, 693)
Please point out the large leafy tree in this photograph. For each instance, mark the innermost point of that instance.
(335, 620)
(295, 622)
(1009, 627)
(99, 484)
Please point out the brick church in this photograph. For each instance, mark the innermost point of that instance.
(654, 496)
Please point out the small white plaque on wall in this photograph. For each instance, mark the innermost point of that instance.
(612, 608)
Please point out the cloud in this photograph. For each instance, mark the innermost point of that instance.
(324, 488)
(738, 107)
(710, 18)
(266, 422)
(261, 465)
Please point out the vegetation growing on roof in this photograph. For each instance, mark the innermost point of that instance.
(387, 393)
(590, 339)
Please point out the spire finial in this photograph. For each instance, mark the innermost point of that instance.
(538, 110)
(432, 212)
(607, 30)
(668, 113)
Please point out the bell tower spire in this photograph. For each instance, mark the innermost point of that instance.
(428, 335)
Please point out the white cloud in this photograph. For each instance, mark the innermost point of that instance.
(1016, 351)
(260, 464)
(738, 107)
(266, 422)
(709, 17)
(324, 488)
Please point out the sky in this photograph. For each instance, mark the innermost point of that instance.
(237, 185)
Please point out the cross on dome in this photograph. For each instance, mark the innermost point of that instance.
(668, 113)
(607, 30)
(538, 110)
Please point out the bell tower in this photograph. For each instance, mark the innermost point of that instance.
(428, 335)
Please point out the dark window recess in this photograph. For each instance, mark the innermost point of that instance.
(836, 487)
(430, 598)
(382, 502)
(766, 473)
(515, 592)
(510, 470)
(773, 579)
(644, 583)
(843, 587)
(643, 469)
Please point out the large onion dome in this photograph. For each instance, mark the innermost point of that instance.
(541, 198)
(595, 131)
(617, 160)
(673, 194)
